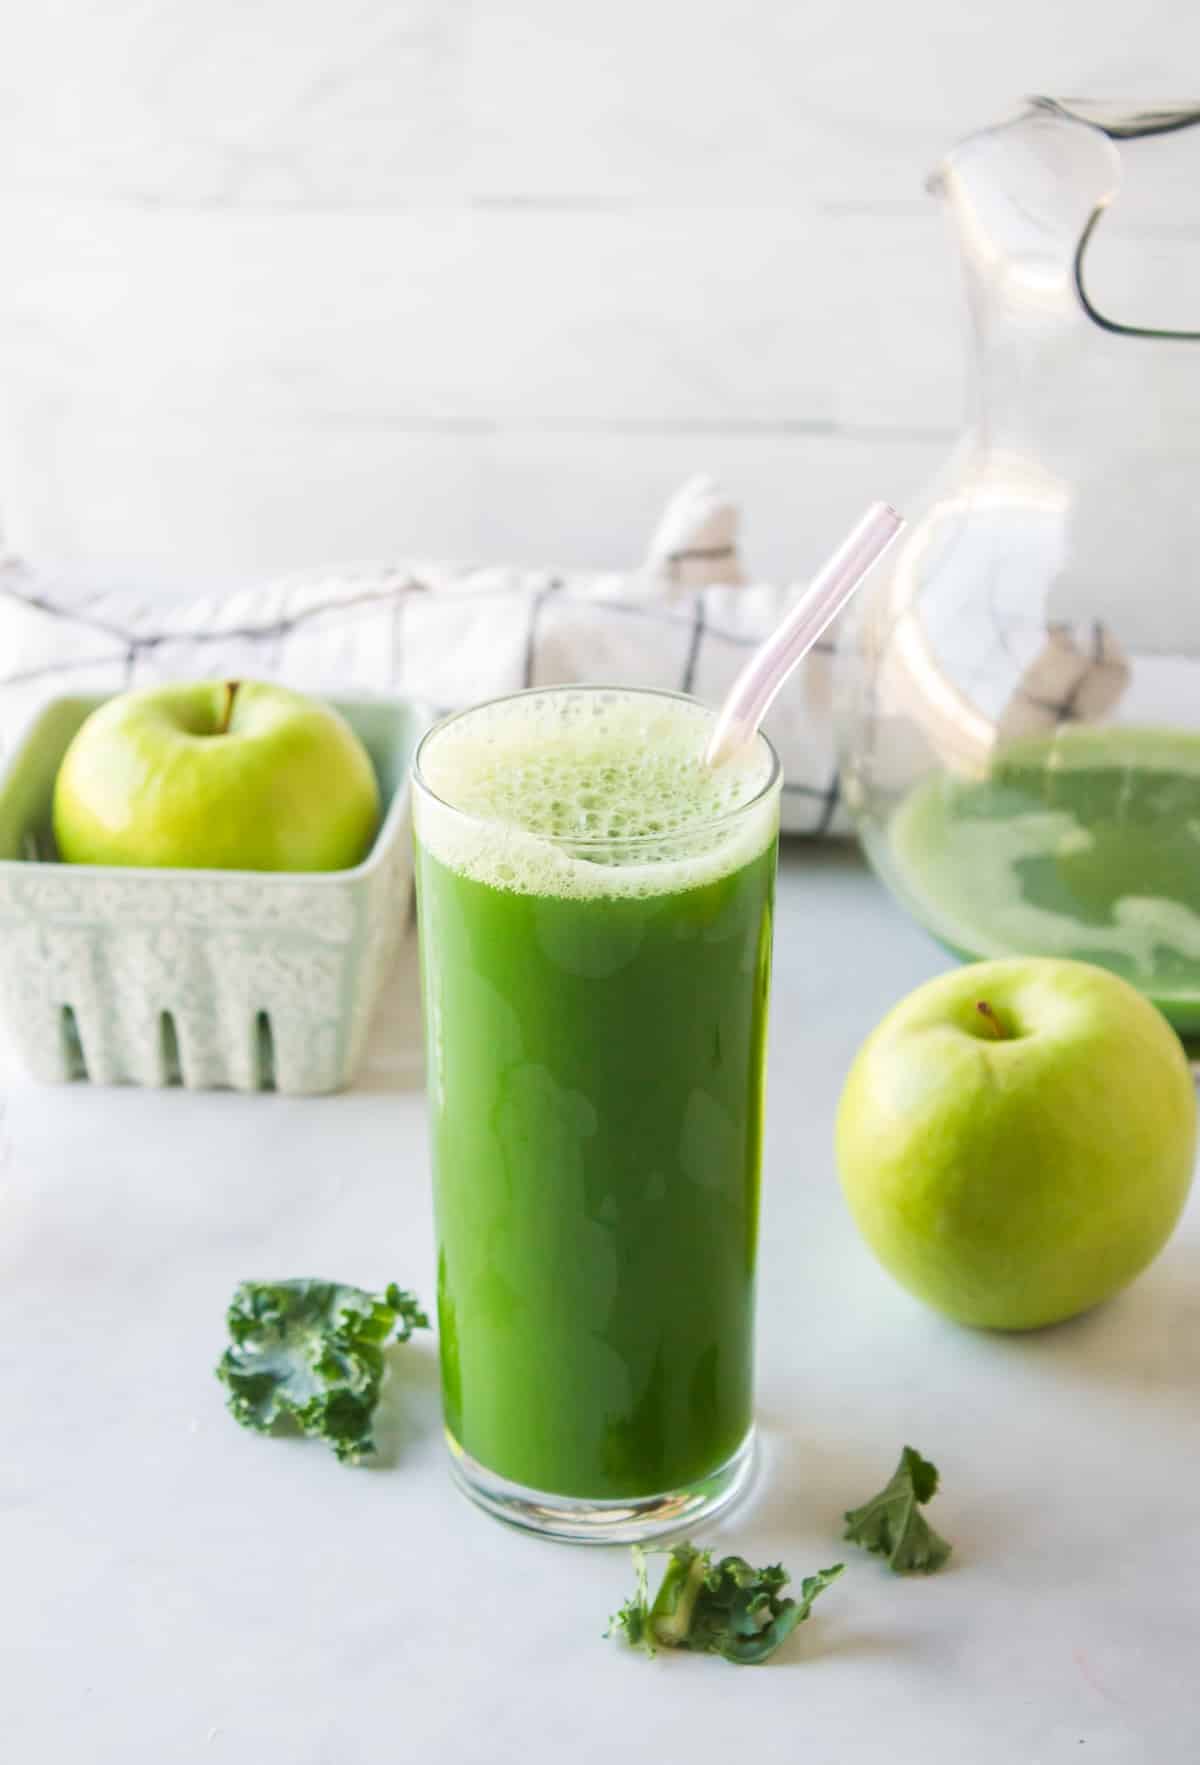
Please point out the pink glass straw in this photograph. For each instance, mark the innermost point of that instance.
(753, 691)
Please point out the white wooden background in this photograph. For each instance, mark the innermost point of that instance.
(284, 282)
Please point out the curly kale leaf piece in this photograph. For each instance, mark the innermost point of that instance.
(892, 1525)
(725, 1608)
(310, 1354)
(633, 1620)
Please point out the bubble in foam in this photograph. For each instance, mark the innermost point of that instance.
(620, 775)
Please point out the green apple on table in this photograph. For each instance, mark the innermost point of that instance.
(1016, 1140)
(216, 774)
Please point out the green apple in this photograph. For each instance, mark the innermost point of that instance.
(216, 775)
(1016, 1140)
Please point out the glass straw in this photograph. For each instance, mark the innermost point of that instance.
(752, 693)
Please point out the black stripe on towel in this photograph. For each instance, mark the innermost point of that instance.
(535, 618)
(697, 637)
(829, 806)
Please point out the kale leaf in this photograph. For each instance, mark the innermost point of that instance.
(310, 1353)
(725, 1608)
(892, 1524)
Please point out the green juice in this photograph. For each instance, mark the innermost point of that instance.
(596, 961)
(1084, 845)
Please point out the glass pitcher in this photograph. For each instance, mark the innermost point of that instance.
(1018, 692)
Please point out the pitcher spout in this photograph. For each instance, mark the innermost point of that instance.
(1025, 199)
(1022, 193)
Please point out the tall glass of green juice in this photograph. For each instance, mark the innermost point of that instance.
(595, 915)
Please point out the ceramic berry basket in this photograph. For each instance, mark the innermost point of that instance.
(249, 979)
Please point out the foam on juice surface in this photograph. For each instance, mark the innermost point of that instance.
(589, 791)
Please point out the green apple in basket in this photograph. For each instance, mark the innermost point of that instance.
(216, 775)
(1016, 1139)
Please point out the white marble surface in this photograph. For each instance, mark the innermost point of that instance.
(177, 1590)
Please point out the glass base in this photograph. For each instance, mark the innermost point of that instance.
(583, 1521)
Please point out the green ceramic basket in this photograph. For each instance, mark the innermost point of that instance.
(249, 979)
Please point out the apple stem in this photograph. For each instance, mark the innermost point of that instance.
(991, 1019)
(231, 689)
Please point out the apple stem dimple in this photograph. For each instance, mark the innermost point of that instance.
(995, 1027)
(231, 690)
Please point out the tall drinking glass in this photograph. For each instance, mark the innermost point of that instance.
(595, 913)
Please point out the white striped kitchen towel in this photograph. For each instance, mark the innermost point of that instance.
(452, 635)
(448, 635)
